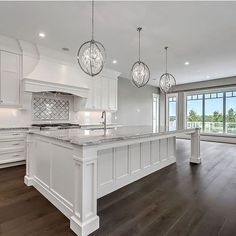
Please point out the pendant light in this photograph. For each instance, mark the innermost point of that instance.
(140, 73)
(91, 54)
(167, 80)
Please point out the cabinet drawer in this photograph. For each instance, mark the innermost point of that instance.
(12, 157)
(12, 144)
(11, 135)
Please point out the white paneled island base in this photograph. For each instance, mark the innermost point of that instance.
(73, 168)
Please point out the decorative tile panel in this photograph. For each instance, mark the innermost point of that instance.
(50, 109)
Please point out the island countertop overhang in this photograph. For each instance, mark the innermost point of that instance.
(96, 137)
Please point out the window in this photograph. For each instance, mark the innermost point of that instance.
(155, 112)
(230, 112)
(194, 111)
(213, 115)
(213, 112)
(171, 106)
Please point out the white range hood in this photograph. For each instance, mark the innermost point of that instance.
(37, 86)
(47, 70)
(53, 71)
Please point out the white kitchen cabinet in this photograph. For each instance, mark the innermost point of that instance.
(105, 93)
(102, 94)
(10, 77)
(12, 148)
(112, 88)
(89, 102)
(97, 90)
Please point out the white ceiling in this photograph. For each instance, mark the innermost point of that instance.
(202, 33)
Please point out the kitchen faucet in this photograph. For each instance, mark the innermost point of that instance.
(104, 117)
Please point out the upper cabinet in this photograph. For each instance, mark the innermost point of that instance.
(112, 94)
(10, 76)
(103, 94)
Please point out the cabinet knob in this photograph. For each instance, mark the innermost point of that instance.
(1, 101)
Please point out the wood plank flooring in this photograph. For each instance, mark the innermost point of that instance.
(182, 199)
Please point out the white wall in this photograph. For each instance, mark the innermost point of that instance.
(16, 117)
(84, 117)
(134, 104)
(23, 117)
(20, 118)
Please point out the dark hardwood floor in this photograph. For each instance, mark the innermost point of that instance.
(181, 199)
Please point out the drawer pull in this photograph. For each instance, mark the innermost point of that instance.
(15, 134)
(16, 155)
(15, 144)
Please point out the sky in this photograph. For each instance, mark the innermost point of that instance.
(172, 108)
(211, 105)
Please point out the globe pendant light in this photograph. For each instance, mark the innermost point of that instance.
(91, 54)
(140, 73)
(167, 80)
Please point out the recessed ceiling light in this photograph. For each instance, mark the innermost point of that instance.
(208, 76)
(114, 61)
(186, 63)
(42, 35)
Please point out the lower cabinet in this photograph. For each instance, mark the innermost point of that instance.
(12, 148)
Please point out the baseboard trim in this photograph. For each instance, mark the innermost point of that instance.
(18, 163)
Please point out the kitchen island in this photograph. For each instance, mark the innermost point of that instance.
(72, 168)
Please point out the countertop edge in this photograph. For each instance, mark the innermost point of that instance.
(113, 139)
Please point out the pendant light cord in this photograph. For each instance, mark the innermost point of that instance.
(166, 57)
(92, 19)
(139, 29)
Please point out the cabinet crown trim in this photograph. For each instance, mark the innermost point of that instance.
(35, 86)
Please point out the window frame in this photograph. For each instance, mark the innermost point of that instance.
(169, 95)
(223, 90)
(157, 96)
(185, 108)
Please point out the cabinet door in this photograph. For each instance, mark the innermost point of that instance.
(112, 94)
(105, 93)
(97, 92)
(89, 103)
(10, 78)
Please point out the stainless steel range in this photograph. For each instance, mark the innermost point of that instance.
(56, 126)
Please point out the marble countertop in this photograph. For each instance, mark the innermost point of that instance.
(6, 128)
(27, 127)
(94, 137)
(99, 126)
